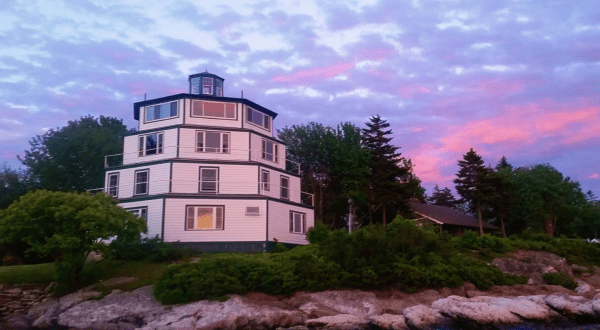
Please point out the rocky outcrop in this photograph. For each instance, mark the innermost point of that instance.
(19, 298)
(533, 264)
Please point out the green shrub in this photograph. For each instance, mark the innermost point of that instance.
(152, 249)
(279, 248)
(318, 234)
(560, 279)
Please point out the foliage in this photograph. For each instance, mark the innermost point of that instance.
(470, 181)
(560, 279)
(153, 249)
(443, 197)
(13, 183)
(72, 158)
(547, 200)
(66, 226)
(318, 234)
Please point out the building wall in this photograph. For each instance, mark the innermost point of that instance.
(279, 225)
(275, 185)
(155, 213)
(256, 152)
(158, 179)
(238, 145)
(238, 227)
(131, 147)
(233, 179)
(143, 125)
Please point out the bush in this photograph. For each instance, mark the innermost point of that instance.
(153, 249)
(560, 279)
(318, 234)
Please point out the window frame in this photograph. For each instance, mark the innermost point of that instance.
(218, 88)
(213, 117)
(265, 184)
(146, 121)
(141, 208)
(252, 213)
(212, 85)
(214, 207)
(250, 114)
(223, 149)
(136, 183)
(200, 181)
(292, 228)
(109, 187)
(274, 155)
(143, 144)
(286, 188)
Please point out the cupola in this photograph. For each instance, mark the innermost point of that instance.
(206, 83)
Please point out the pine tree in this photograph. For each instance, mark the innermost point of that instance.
(503, 163)
(470, 182)
(386, 173)
(442, 197)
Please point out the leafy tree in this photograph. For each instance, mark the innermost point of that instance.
(13, 183)
(500, 195)
(471, 184)
(386, 173)
(66, 226)
(442, 197)
(548, 200)
(72, 158)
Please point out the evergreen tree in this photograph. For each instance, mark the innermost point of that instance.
(500, 197)
(470, 182)
(386, 172)
(503, 163)
(442, 197)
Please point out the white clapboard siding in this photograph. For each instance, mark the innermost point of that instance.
(155, 213)
(216, 122)
(256, 153)
(238, 145)
(131, 148)
(233, 179)
(158, 179)
(275, 185)
(254, 127)
(237, 225)
(279, 223)
(143, 125)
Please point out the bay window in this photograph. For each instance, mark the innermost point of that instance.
(141, 182)
(204, 217)
(140, 212)
(270, 151)
(207, 85)
(297, 222)
(161, 111)
(213, 109)
(113, 184)
(285, 187)
(150, 144)
(265, 180)
(209, 180)
(258, 118)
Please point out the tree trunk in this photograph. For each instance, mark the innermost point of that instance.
(502, 225)
(384, 215)
(480, 221)
(549, 226)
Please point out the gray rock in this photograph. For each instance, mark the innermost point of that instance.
(423, 317)
(359, 303)
(583, 287)
(389, 321)
(45, 314)
(138, 304)
(335, 321)
(567, 305)
(479, 311)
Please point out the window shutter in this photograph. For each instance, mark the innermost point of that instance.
(160, 143)
(275, 151)
(200, 144)
(219, 219)
(304, 223)
(141, 148)
(190, 218)
(264, 149)
(225, 143)
(291, 222)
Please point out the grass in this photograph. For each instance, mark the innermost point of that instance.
(94, 273)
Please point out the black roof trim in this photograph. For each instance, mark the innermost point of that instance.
(204, 74)
(218, 196)
(207, 127)
(137, 105)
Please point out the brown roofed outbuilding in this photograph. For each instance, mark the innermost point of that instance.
(450, 220)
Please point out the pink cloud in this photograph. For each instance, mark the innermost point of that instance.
(316, 74)
(497, 87)
(429, 164)
(484, 131)
(594, 176)
(408, 91)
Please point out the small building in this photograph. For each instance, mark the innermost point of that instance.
(206, 171)
(448, 219)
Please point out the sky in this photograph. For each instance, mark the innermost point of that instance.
(516, 78)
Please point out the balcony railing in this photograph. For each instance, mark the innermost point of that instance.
(254, 155)
(223, 187)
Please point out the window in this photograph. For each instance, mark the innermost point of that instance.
(204, 217)
(207, 85)
(150, 144)
(252, 210)
(219, 87)
(285, 187)
(270, 151)
(265, 180)
(161, 111)
(212, 142)
(141, 212)
(257, 118)
(213, 109)
(141, 182)
(209, 180)
(113, 184)
(297, 222)
(195, 86)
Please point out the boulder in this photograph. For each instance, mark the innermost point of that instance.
(423, 317)
(138, 307)
(45, 314)
(389, 321)
(574, 306)
(533, 264)
(354, 302)
(583, 287)
(340, 321)
(478, 311)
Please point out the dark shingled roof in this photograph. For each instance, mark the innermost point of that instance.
(448, 215)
